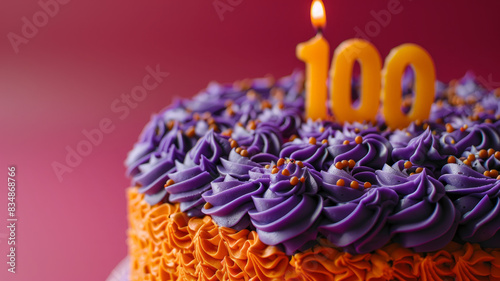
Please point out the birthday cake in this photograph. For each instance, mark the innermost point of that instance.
(235, 184)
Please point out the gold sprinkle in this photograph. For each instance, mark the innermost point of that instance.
(339, 165)
(358, 139)
(324, 141)
(367, 185)
(411, 174)
(275, 171)
(408, 165)
(302, 179)
(471, 157)
(294, 180)
(238, 150)
(419, 170)
(169, 182)
(345, 163)
(467, 162)
(267, 166)
(244, 153)
(321, 129)
(340, 182)
(487, 174)
(312, 140)
(491, 151)
(285, 172)
(207, 206)
(281, 161)
(300, 164)
(352, 163)
(346, 142)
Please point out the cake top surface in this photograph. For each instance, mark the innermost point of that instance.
(245, 155)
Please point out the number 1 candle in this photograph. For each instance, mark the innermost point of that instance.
(315, 53)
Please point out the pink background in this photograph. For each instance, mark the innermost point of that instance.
(64, 79)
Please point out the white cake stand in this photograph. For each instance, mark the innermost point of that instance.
(121, 271)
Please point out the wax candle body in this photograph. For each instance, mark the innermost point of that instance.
(425, 75)
(343, 61)
(315, 53)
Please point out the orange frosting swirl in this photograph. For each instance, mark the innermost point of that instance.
(165, 244)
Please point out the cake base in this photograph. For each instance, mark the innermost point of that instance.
(121, 271)
(165, 244)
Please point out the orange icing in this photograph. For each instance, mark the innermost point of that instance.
(165, 244)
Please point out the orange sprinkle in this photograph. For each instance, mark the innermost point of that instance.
(418, 122)
(312, 140)
(208, 206)
(281, 105)
(300, 164)
(251, 125)
(238, 150)
(467, 162)
(419, 170)
(491, 151)
(498, 178)
(497, 154)
(358, 139)
(408, 165)
(266, 104)
(190, 132)
(321, 129)
(275, 171)
(285, 172)
(494, 173)
(244, 153)
(267, 166)
(345, 163)
(487, 174)
(471, 157)
(346, 142)
(352, 163)
(227, 132)
(293, 137)
(196, 116)
(233, 144)
(339, 165)
(449, 128)
(367, 185)
(294, 181)
(169, 182)
(354, 184)
(483, 154)
(324, 141)
(302, 179)
(281, 161)
(340, 182)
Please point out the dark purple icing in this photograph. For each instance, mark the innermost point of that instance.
(286, 214)
(231, 201)
(476, 198)
(422, 206)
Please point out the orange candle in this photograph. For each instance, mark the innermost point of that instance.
(343, 61)
(425, 75)
(315, 54)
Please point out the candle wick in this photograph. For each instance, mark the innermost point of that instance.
(319, 31)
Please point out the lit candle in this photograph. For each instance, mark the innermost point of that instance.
(370, 61)
(315, 54)
(425, 75)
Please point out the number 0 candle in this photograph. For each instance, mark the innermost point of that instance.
(315, 53)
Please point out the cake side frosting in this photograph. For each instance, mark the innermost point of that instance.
(166, 244)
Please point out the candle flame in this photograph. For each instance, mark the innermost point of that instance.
(318, 17)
